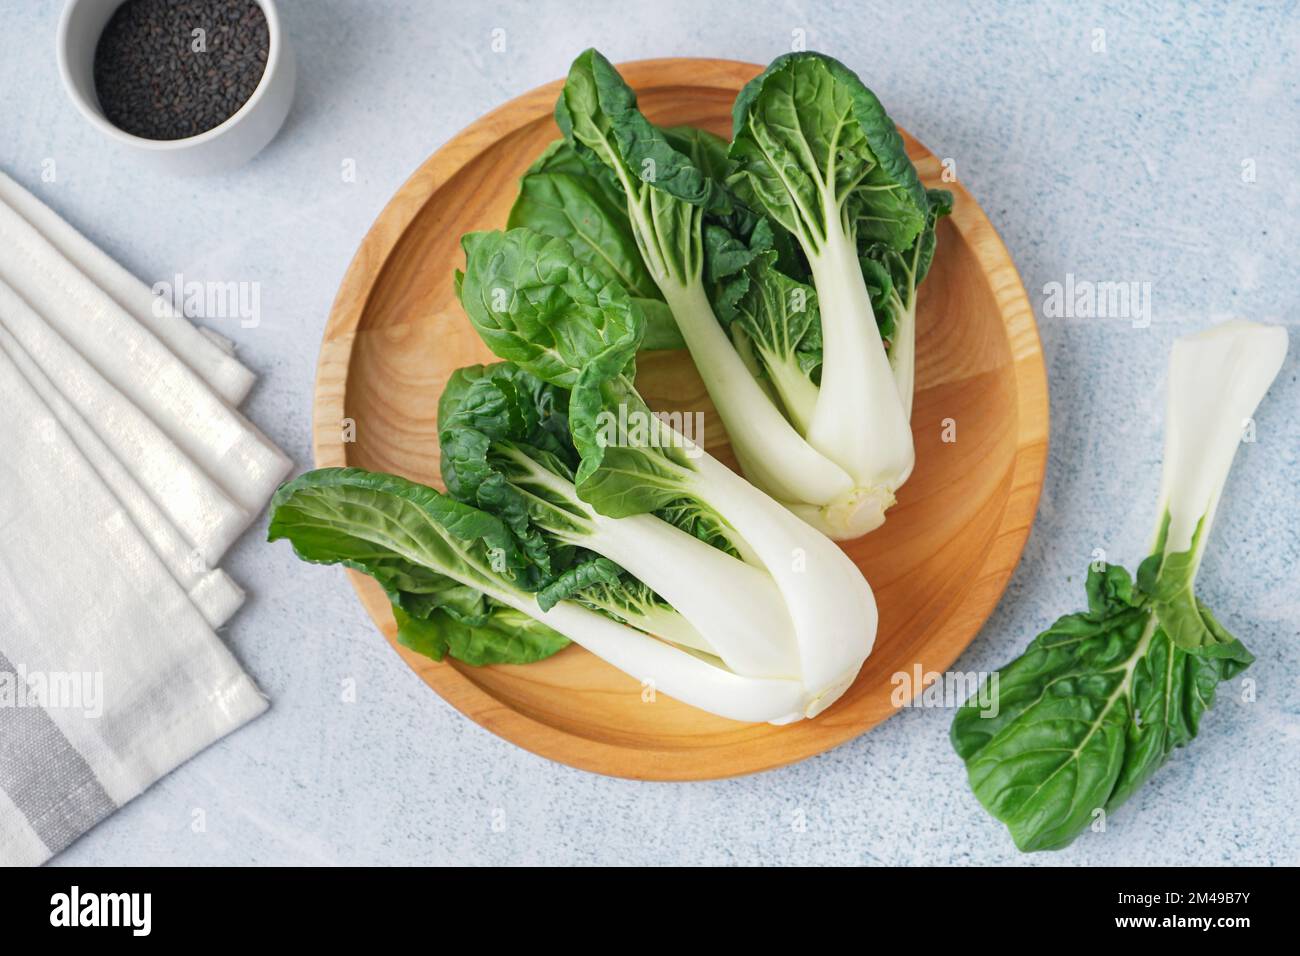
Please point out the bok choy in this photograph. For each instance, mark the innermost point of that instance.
(475, 592)
(573, 513)
(819, 155)
(534, 303)
(1101, 699)
(505, 449)
(817, 415)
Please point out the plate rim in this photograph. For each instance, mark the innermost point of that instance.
(1032, 406)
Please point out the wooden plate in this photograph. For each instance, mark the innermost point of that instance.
(938, 566)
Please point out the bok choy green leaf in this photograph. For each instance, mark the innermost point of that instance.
(1102, 698)
(561, 196)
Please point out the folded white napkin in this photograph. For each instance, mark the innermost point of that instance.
(127, 474)
(113, 676)
(213, 592)
(242, 462)
(201, 513)
(203, 353)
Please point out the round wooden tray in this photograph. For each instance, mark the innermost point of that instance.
(938, 566)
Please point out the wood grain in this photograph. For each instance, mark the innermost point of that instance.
(938, 566)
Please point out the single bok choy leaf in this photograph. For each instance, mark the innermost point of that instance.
(446, 588)
(894, 278)
(537, 305)
(560, 196)
(1100, 699)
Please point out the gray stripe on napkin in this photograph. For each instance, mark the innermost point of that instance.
(45, 776)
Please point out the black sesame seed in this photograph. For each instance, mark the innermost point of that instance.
(152, 83)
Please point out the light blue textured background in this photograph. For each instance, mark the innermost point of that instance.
(1122, 165)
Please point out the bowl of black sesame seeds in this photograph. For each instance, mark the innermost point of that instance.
(191, 86)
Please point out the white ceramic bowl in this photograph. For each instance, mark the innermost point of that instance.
(223, 147)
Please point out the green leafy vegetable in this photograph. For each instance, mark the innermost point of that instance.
(1099, 700)
(450, 570)
(573, 513)
(538, 306)
(668, 193)
(560, 196)
(375, 523)
(733, 277)
(490, 420)
(818, 154)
